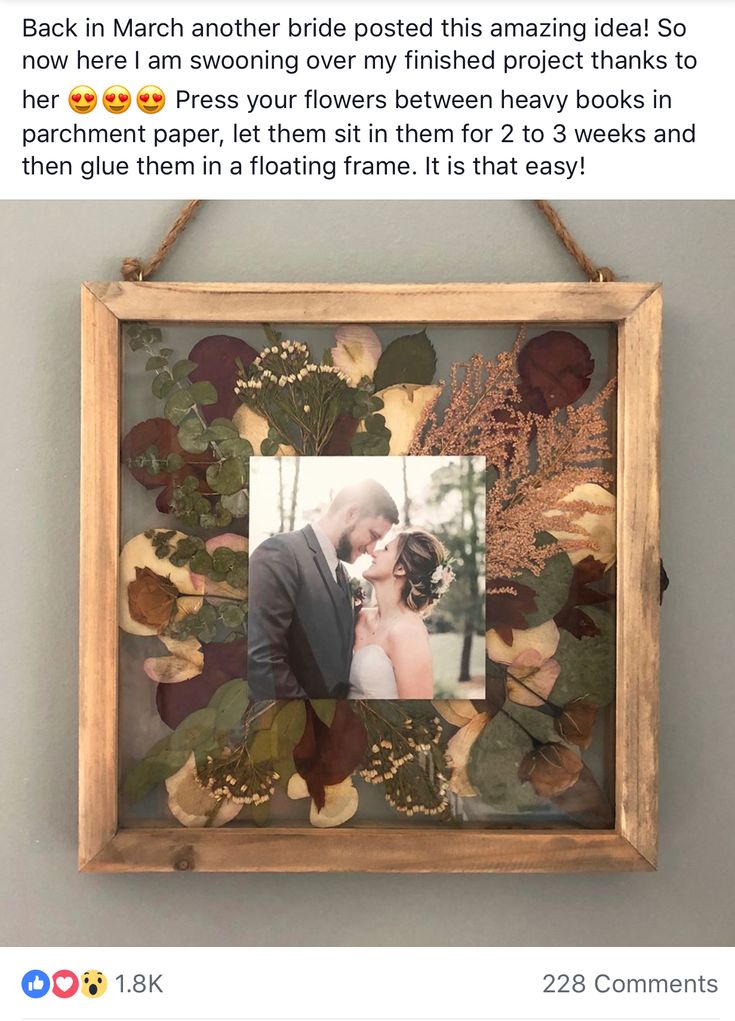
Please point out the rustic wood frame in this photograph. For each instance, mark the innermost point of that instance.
(635, 309)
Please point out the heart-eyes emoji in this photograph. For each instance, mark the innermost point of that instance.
(82, 99)
(151, 99)
(116, 99)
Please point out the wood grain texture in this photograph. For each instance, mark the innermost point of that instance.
(639, 376)
(636, 309)
(395, 849)
(99, 514)
(372, 303)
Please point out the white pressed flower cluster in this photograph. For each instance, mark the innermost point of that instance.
(284, 364)
(299, 399)
(251, 785)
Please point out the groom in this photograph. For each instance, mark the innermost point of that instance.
(301, 619)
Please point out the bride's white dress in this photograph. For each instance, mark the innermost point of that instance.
(372, 674)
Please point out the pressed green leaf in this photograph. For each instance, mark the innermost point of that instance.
(152, 770)
(174, 462)
(195, 730)
(288, 727)
(156, 362)
(180, 370)
(232, 614)
(201, 563)
(178, 405)
(191, 436)
(325, 709)
(493, 766)
(203, 392)
(162, 385)
(222, 429)
(587, 664)
(228, 477)
(410, 359)
(551, 586)
(268, 447)
(230, 702)
(237, 503)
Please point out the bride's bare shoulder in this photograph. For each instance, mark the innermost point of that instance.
(409, 626)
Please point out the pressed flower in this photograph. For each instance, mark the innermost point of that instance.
(192, 805)
(404, 409)
(357, 352)
(140, 553)
(340, 801)
(254, 427)
(185, 660)
(551, 769)
(543, 639)
(459, 747)
(589, 510)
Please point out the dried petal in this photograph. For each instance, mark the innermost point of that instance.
(223, 662)
(592, 530)
(458, 755)
(139, 553)
(555, 366)
(457, 711)
(405, 406)
(550, 769)
(340, 804)
(186, 660)
(576, 722)
(194, 806)
(506, 604)
(357, 352)
(216, 359)
(531, 678)
(543, 639)
(253, 427)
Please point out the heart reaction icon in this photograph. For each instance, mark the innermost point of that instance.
(64, 984)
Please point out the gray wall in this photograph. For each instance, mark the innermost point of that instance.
(48, 248)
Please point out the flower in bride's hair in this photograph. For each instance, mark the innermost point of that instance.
(441, 579)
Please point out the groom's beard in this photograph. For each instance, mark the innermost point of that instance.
(344, 546)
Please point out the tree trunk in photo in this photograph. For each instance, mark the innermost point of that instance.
(280, 496)
(469, 514)
(406, 497)
(294, 494)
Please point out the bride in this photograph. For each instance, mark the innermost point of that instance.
(392, 657)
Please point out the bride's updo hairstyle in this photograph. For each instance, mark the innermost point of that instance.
(419, 554)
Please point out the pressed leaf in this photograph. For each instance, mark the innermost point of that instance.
(587, 664)
(410, 359)
(493, 766)
(227, 477)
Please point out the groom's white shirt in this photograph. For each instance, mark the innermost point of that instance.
(327, 547)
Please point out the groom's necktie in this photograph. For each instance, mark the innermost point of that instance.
(344, 583)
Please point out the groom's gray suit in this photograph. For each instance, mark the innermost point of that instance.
(301, 621)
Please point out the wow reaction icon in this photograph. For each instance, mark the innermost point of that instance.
(116, 99)
(94, 984)
(82, 99)
(151, 99)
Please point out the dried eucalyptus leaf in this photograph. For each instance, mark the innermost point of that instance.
(493, 766)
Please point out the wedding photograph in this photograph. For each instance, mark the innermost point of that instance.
(367, 577)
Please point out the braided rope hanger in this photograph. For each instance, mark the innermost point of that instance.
(133, 268)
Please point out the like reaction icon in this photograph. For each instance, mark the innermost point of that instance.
(35, 984)
(65, 984)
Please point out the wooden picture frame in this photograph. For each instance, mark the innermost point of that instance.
(635, 310)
